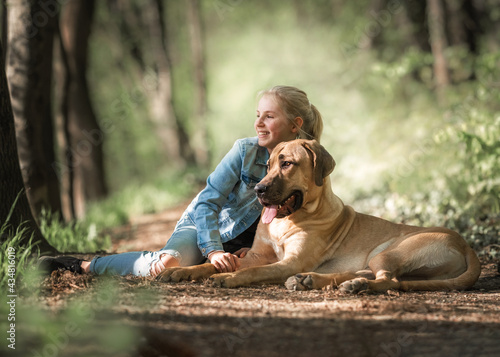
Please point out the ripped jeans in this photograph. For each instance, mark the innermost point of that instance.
(182, 245)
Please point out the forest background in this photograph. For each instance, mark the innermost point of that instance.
(111, 110)
(123, 108)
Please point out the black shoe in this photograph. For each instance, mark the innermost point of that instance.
(49, 264)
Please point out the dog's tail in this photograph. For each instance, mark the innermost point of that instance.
(461, 282)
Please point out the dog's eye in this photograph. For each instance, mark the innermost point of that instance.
(286, 164)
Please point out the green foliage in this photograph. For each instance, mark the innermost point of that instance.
(73, 237)
(475, 180)
(15, 257)
(468, 145)
(15, 251)
(443, 167)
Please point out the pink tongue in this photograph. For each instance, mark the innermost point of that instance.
(269, 213)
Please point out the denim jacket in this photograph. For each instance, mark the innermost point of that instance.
(227, 206)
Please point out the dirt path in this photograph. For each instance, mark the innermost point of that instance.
(196, 319)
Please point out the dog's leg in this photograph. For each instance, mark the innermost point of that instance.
(196, 272)
(260, 253)
(204, 271)
(385, 266)
(309, 281)
(273, 273)
(383, 282)
(432, 260)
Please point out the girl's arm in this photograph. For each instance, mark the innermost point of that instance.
(213, 197)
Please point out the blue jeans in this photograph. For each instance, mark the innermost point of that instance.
(181, 245)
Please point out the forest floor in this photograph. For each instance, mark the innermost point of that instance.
(196, 319)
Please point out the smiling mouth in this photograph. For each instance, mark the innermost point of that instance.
(284, 209)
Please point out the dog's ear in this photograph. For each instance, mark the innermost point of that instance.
(323, 162)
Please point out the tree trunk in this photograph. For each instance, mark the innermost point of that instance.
(456, 22)
(200, 139)
(84, 168)
(172, 135)
(438, 42)
(11, 181)
(62, 165)
(4, 25)
(29, 74)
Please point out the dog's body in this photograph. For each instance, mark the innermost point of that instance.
(309, 239)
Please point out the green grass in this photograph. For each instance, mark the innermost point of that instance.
(15, 257)
(72, 237)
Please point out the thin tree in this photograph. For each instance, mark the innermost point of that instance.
(199, 136)
(82, 169)
(143, 32)
(11, 180)
(3, 10)
(439, 43)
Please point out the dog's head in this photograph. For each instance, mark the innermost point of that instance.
(296, 169)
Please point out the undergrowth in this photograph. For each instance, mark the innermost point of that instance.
(72, 237)
(15, 256)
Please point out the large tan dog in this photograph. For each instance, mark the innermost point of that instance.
(310, 237)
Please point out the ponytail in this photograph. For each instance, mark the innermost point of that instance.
(294, 103)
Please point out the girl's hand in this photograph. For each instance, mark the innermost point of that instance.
(240, 253)
(224, 262)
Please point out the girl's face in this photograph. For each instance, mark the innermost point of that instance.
(271, 125)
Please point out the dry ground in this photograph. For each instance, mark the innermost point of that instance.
(196, 319)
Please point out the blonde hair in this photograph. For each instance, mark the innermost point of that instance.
(294, 103)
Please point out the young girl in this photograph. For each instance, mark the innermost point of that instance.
(224, 215)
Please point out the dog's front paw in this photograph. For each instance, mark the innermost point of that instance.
(178, 274)
(307, 281)
(197, 272)
(168, 275)
(224, 280)
(300, 282)
(354, 286)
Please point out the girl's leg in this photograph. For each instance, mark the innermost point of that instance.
(181, 249)
(134, 263)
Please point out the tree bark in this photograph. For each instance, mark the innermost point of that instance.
(84, 166)
(438, 42)
(4, 25)
(11, 181)
(29, 74)
(200, 136)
